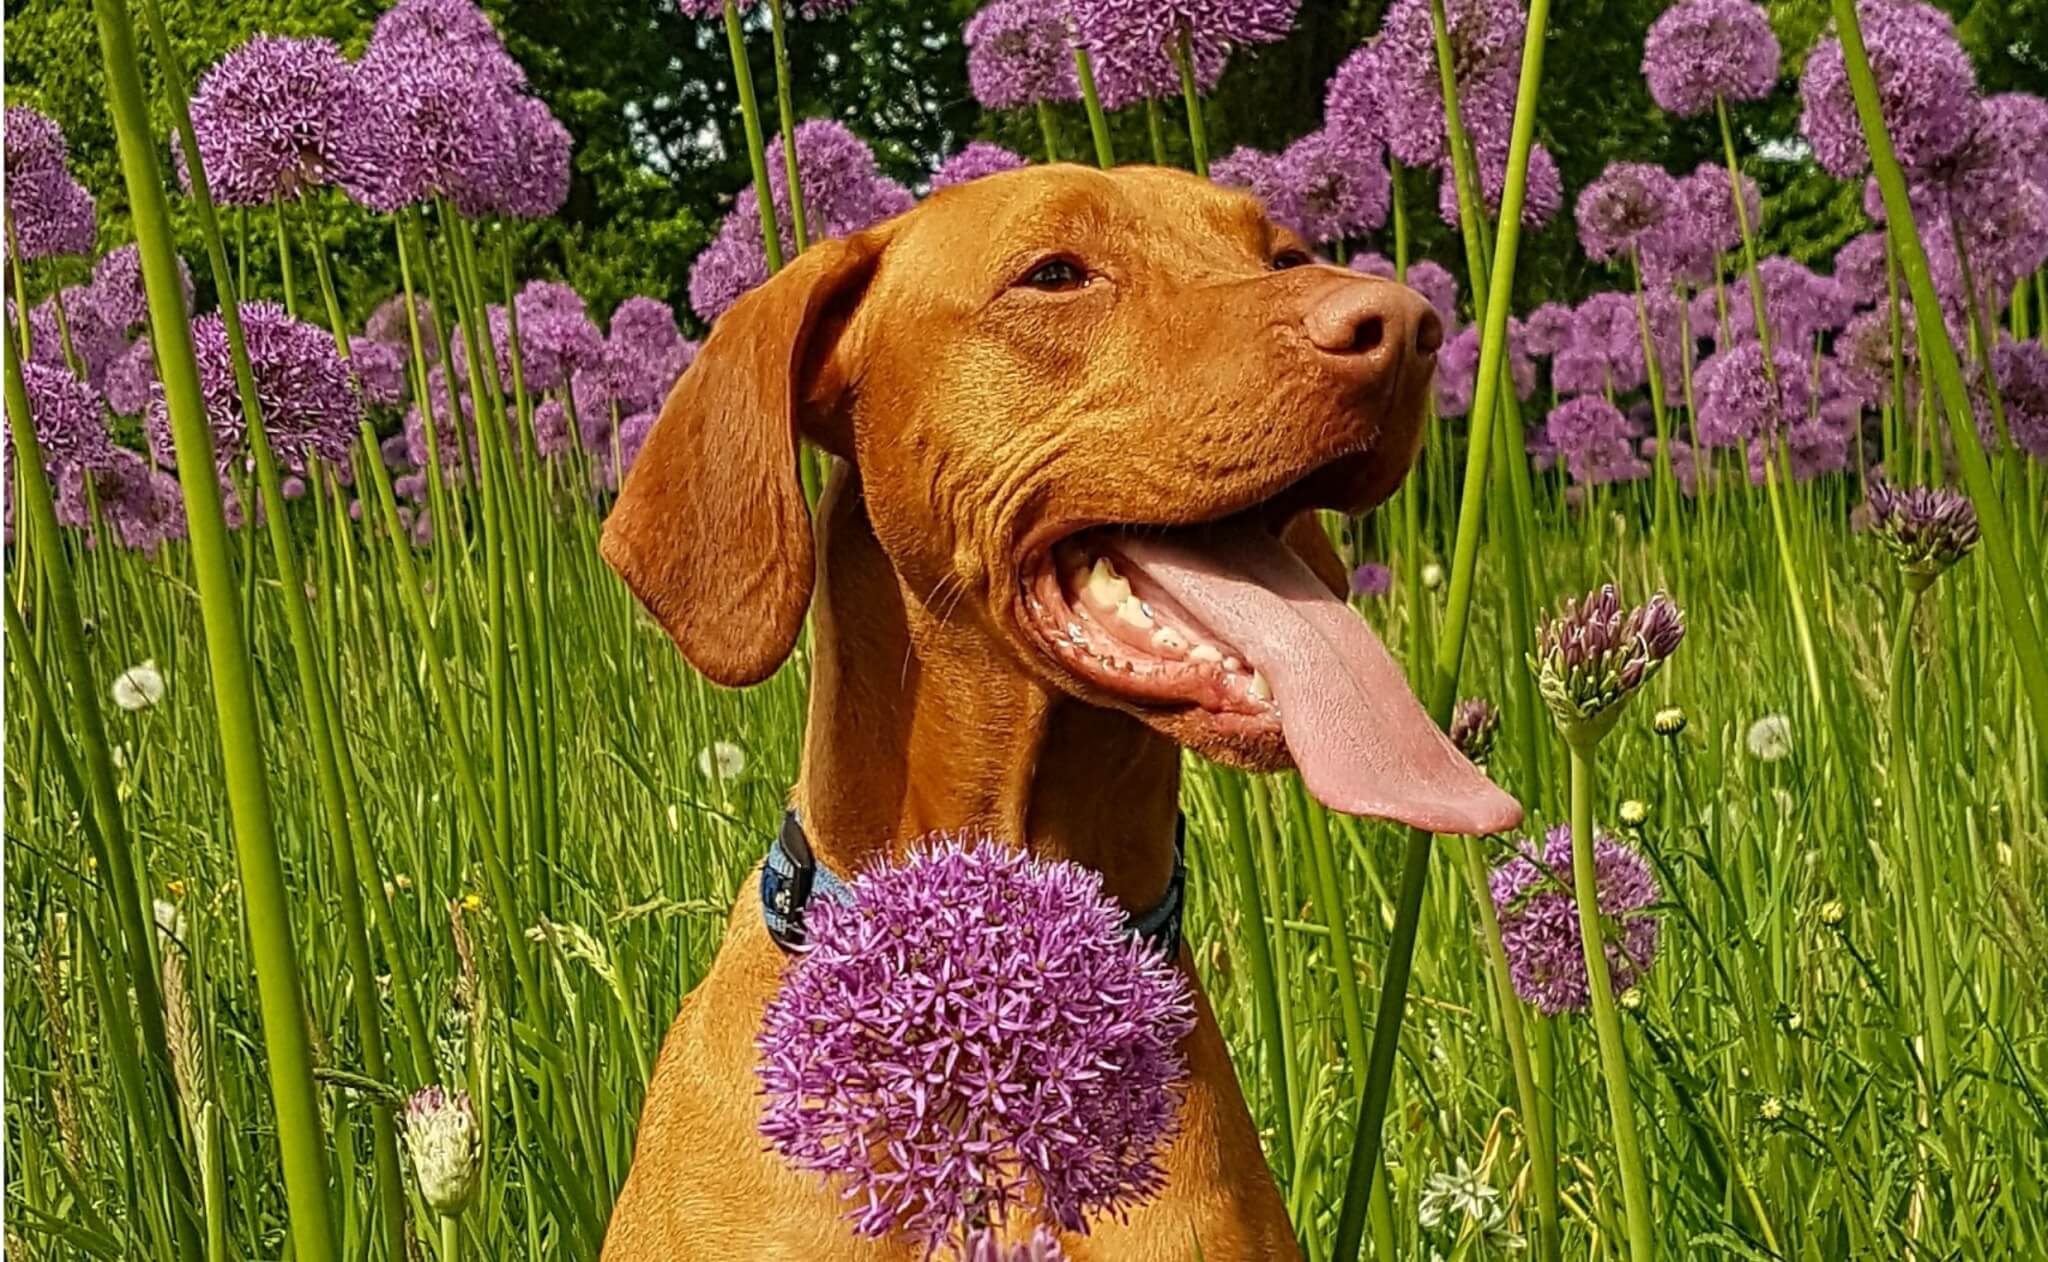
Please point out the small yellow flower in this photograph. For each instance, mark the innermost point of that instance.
(402, 881)
(176, 888)
(1771, 1109)
(1634, 813)
(1669, 722)
(472, 902)
(1632, 1000)
(1832, 912)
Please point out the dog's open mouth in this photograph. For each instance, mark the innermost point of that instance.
(1225, 626)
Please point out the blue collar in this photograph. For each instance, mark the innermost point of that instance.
(792, 876)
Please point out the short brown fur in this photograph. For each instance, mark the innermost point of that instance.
(978, 421)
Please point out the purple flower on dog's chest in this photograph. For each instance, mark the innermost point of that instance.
(975, 1034)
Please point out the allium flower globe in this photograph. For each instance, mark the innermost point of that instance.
(1332, 186)
(1132, 45)
(442, 1139)
(380, 368)
(49, 212)
(311, 407)
(67, 419)
(1629, 202)
(1738, 400)
(1539, 919)
(1925, 83)
(131, 380)
(1926, 529)
(1594, 653)
(117, 291)
(2021, 369)
(1699, 51)
(1542, 188)
(1486, 50)
(272, 119)
(1050, 1049)
(971, 163)
(1020, 52)
(1474, 725)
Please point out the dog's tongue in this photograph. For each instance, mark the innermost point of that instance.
(1362, 741)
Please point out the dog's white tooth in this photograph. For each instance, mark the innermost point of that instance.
(1106, 587)
(1232, 665)
(1132, 613)
(1074, 629)
(1206, 654)
(1170, 639)
(1260, 688)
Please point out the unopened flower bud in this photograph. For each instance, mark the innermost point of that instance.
(1670, 721)
(441, 1138)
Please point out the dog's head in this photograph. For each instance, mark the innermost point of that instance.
(1090, 413)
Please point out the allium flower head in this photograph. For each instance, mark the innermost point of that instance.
(1372, 579)
(2021, 369)
(1860, 269)
(1132, 43)
(446, 1148)
(1542, 188)
(390, 323)
(454, 30)
(983, 1246)
(117, 291)
(1020, 52)
(974, 1000)
(271, 119)
(67, 418)
(1737, 399)
(1336, 186)
(1701, 227)
(380, 367)
(1547, 329)
(1629, 202)
(1256, 172)
(1474, 725)
(51, 213)
(976, 160)
(1863, 355)
(1354, 101)
(1703, 49)
(33, 143)
(1435, 282)
(1588, 431)
(131, 379)
(1926, 529)
(1594, 653)
(1925, 84)
(1486, 50)
(534, 181)
(1539, 919)
(2018, 121)
(310, 405)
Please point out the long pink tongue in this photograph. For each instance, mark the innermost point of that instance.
(1362, 741)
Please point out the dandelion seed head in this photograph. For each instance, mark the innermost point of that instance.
(1769, 738)
(139, 687)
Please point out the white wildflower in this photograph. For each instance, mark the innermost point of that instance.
(1432, 576)
(139, 687)
(723, 761)
(1459, 1191)
(1770, 738)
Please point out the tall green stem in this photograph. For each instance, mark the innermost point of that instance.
(300, 1131)
(1191, 95)
(1265, 990)
(1048, 127)
(1098, 122)
(1904, 779)
(1635, 1189)
(1365, 1147)
(799, 223)
(757, 153)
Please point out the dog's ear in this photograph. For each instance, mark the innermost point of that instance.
(1306, 536)
(710, 531)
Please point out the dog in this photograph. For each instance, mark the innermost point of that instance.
(1081, 421)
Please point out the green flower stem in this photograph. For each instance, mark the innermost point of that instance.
(785, 112)
(19, 283)
(1919, 867)
(1365, 1148)
(422, 387)
(1048, 127)
(1098, 122)
(1635, 1189)
(750, 117)
(63, 319)
(1190, 91)
(133, 948)
(300, 1131)
(1666, 511)
(1265, 993)
(1155, 128)
(284, 258)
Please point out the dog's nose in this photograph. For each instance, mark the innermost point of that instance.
(1371, 327)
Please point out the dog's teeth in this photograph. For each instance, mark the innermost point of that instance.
(1232, 665)
(1074, 629)
(1169, 639)
(1206, 654)
(1107, 588)
(1133, 613)
(1260, 688)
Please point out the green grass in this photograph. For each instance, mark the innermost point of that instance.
(1775, 1058)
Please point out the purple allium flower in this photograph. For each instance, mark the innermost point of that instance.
(1701, 227)
(1703, 49)
(983, 1246)
(66, 412)
(397, 457)
(1800, 304)
(1486, 50)
(443, 434)
(1736, 398)
(1256, 172)
(1591, 435)
(1862, 355)
(143, 508)
(428, 127)
(1813, 448)
(1630, 201)
(1370, 262)
(1372, 579)
(389, 323)
(1926, 529)
(556, 334)
(1580, 368)
(552, 433)
(976, 160)
(1860, 269)
(1435, 283)
(1019, 52)
(1539, 919)
(1542, 189)
(2018, 121)
(1926, 87)
(310, 405)
(131, 380)
(1132, 45)
(52, 214)
(455, 30)
(2021, 370)
(1474, 724)
(1592, 654)
(534, 182)
(1457, 372)
(33, 142)
(645, 337)
(117, 289)
(1335, 185)
(271, 117)
(1354, 101)
(975, 1000)
(381, 368)
(1548, 329)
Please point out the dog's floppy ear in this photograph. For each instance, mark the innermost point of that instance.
(710, 531)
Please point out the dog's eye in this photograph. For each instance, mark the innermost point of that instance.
(1056, 275)
(1291, 258)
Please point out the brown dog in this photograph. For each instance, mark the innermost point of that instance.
(1075, 414)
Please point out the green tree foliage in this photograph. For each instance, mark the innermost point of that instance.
(648, 95)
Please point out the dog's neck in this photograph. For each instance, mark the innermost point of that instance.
(920, 723)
